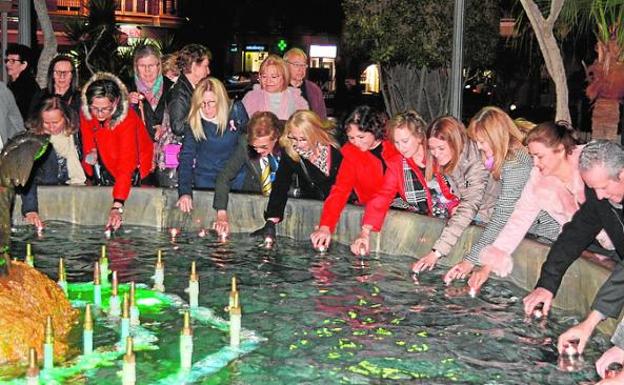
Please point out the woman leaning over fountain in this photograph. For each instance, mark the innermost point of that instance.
(501, 145)
(313, 155)
(554, 186)
(458, 158)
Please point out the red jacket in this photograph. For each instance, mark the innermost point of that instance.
(121, 148)
(360, 171)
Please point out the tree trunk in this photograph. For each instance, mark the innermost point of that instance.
(605, 119)
(405, 87)
(49, 42)
(543, 29)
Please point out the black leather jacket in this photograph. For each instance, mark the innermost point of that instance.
(179, 104)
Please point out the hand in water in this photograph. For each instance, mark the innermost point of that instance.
(114, 220)
(537, 296)
(361, 246)
(459, 271)
(580, 333)
(221, 225)
(185, 203)
(266, 231)
(426, 263)
(321, 238)
(615, 354)
(479, 277)
(34, 219)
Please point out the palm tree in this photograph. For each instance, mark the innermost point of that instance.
(606, 74)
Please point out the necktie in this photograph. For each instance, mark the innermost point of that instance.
(266, 176)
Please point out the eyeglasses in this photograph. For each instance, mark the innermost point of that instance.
(298, 140)
(209, 103)
(7, 61)
(298, 65)
(61, 74)
(148, 66)
(101, 111)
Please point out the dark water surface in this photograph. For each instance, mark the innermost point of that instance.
(328, 319)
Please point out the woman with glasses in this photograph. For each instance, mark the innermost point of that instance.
(116, 145)
(274, 93)
(62, 81)
(365, 158)
(19, 63)
(149, 89)
(311, 153)
(211, 136)
(258, 154)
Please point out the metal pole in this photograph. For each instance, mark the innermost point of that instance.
(24, 22)
(457, 86)
(5, 42)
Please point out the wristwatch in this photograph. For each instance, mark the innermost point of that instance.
(120, 209)
(437, 253)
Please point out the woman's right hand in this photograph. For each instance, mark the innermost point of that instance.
(221, 225)
(134, 97)
(185, 203)
(321, 237)
(361, 246)
(426, 263)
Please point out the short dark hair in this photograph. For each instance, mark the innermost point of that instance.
(103, 88)
(24, 53)
(367, 119)
(191, 53)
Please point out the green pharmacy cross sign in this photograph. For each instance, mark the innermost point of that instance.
(281, 44)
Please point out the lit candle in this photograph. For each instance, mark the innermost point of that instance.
(48, 346)
(159, 274)
(32, 374)
(186, 343)
(62, 277)
(268, 243)
(235, 323)
(97, 288)
(114, 306)
(87, 332)
(362, 251)
(128, 374)
(134, 309)
(322, 249)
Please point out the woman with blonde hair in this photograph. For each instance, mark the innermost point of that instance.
(458, 158)
(405, 176)
(311, 153)
(274, 92)
(211, 135)
(500, 143)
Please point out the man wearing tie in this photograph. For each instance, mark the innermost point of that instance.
(258, 152)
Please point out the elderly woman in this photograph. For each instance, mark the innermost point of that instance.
(60, 164)
(274, 93)
(406, 176)
(458, 158)
(149, 89)
(116, 145)
(212, 133)
(62, 81)
(311, 153)
(365, 158)
(193, 61)
(258, 154)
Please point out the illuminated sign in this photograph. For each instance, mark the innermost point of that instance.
(328, 51)
(282, 45)
(255, 47)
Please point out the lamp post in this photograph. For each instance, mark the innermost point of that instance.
(456, 62)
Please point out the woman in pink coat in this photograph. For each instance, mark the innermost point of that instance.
(274, 93)
(554, 186)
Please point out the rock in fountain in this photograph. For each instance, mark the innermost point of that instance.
(26, 298)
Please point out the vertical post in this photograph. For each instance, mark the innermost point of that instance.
(5, 42)
(24, 8)
(456, 83)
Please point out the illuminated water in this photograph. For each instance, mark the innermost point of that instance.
(328, 319)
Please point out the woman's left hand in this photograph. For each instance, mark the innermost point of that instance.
(426, 263)
(114, 219)
(479, 277)
(34, 219)
(459, 271)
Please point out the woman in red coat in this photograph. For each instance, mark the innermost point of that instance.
(363, 164)
(406, 176)
(116, 146)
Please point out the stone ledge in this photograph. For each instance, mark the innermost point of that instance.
(403, 233)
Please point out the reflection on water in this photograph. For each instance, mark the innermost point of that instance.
(329, 319)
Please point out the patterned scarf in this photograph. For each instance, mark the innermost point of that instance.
(151, 94)
(322, 160)
(418, 197)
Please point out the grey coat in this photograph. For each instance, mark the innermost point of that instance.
(477, 191)
(11, 121)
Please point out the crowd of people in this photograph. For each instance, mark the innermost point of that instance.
(174, 126)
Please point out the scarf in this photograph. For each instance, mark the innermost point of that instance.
(152, 95)
(321, 161)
